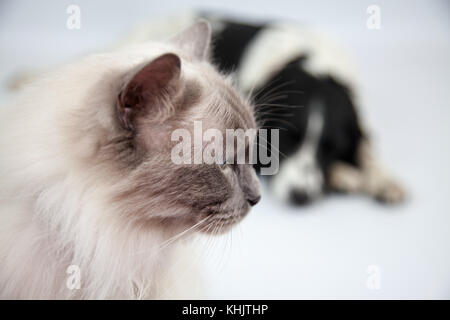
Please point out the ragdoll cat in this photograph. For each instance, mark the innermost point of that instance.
(91, 204)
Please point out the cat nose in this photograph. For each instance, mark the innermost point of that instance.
(254, 200)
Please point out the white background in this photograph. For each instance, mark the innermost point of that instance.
(321, 251)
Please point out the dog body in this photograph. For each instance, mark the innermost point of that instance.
(305, 85)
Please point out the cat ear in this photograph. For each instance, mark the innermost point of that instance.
(144, 92)
(195, 40)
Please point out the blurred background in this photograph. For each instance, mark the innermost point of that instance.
(341, 247)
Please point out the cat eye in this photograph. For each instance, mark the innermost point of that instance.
(223, 163)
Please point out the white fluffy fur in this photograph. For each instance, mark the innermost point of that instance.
(55, 207)
(300, 172)
(280, 43)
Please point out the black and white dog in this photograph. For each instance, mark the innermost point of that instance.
(303, 85)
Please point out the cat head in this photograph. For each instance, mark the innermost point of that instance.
(176, 90)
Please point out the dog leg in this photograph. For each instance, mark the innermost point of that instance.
(369, 178)
(377, 182)
(343, 177)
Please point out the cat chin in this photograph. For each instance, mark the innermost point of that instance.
(220, 224)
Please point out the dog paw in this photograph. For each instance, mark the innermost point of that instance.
(390, 192)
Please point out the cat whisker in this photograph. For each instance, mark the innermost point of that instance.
(263, 87)
(280, 120)
(264, 115)
(271, 146)
(277, 95)
(272, 127)
(274, 89)
(277, 105)
(169, 241)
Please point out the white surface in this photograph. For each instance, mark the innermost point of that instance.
(321, 251)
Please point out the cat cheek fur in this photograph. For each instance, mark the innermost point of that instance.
(203, 188)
